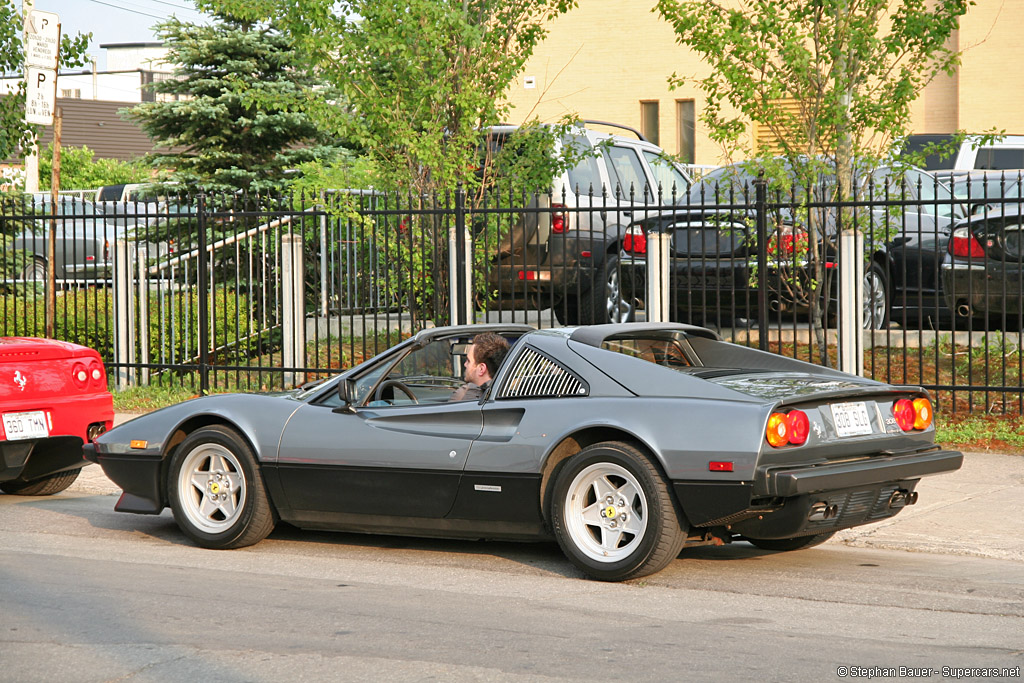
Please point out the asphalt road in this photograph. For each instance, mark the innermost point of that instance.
(88, 594)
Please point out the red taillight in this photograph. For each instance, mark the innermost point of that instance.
(799, 427)
(788, 241)
(962, 243)
(106, 250)
(788, 428)
(80, 376)
(96, 374)
(527, 275)
(635, 241)
(558, 222)
(720, 466)
(903, 411)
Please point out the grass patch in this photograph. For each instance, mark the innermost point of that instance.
(986, 433)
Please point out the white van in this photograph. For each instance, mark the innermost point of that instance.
(1006, 153)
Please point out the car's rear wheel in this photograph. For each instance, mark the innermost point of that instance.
(43, 486)
(876, 298)
(34, 271)
(216, 490)
(785, 544)
(613, 514)
(605, 301)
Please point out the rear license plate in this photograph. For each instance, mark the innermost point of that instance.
(851, 419)
(30, 425)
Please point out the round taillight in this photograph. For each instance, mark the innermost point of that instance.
(777, 432)
(79, 375)
(903, 411)
(799, 427)
(922, 413)
(96, 373)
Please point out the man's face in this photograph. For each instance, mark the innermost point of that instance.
(473, 370)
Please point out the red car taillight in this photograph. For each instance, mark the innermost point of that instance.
(558, 219)
(962, 243)
(787, 428)
(97, 374)
(635, 241)
(788, 241)
(80, 375)
(916, 414)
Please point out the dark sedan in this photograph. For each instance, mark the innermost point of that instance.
(623, 442)
(906, 213)
(982, 273)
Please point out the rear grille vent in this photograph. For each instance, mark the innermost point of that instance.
(534, 375)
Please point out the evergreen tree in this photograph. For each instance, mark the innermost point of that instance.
(221, 116)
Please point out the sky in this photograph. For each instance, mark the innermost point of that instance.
(115, 21)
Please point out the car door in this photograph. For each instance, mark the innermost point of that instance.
(397, 449)
(396, 460)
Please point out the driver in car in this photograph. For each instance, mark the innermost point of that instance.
(483, 357)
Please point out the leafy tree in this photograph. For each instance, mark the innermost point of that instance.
(852, 68)
(14, 132)
(79, 169)
(223, 108)
(421, 79)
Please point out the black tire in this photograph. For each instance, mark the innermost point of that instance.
(877, 298)
(652, 530)
(34, 271)
(603, 301)
(216, 490)
(44, 486)
(787, 544)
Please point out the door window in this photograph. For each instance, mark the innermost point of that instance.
(629, 173)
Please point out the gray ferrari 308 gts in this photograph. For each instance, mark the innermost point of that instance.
(623, 442)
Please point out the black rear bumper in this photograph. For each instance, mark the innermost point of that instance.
(788, 481)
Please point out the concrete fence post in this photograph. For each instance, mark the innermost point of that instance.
(293, 312)
(657, 276)
(124, 313)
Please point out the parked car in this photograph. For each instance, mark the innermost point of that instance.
(86, 231)
(714, 246)
(53, 399)
(982, 191)
(972, 153)
(564, 253)
(623, 442)
(982, 272)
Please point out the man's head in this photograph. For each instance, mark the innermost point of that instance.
(484, 356)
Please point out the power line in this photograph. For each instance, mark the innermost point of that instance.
(147, 14)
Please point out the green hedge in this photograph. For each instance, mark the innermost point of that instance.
(86, 316)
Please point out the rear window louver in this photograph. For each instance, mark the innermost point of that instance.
(534, 375)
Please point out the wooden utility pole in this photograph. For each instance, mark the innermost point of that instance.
(51, 242)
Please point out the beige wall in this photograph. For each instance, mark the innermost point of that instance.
(600, 61)
(605, 57)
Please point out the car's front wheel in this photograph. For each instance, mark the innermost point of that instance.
(613, 515)
(216, 490)
(43, 486)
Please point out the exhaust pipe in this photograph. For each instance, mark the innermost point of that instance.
(963, 310)
(774, 306)
(902, 498)
(94, 430)
(822, 511)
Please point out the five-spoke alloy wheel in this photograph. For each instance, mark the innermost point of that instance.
(613, 515)
(216, 491)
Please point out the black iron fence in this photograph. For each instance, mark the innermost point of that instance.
(250, 293)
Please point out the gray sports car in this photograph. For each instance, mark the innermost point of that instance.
(623, 442)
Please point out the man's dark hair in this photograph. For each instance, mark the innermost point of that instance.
(490, 348)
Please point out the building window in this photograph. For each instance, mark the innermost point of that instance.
(686, 115)
(649, 121)
(74, 93)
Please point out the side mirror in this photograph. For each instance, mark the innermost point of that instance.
(345, 393)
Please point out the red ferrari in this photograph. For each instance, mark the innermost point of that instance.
(53, 400)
